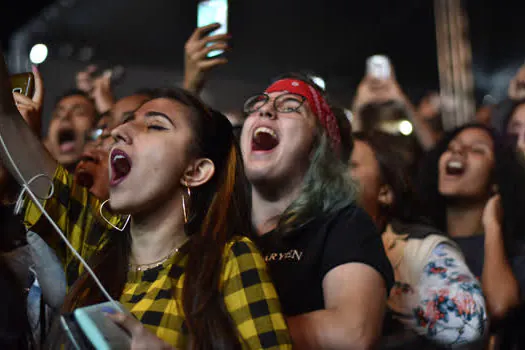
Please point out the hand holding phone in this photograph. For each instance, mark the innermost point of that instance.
(28, 93)
(516, 89)
(23, 83)
(213, 11)
(196, 60)
(378, 67)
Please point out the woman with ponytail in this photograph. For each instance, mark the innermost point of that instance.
(171, 242)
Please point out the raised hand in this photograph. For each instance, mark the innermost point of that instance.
(31, 108)
(373, 90)
(196, 62)
(97, 87)
(493, 215)
(516, 90)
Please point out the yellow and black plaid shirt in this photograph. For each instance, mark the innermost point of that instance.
(153, 296)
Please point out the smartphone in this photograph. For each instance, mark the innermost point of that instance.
(23, 83)
(378, 66)
(213, 11)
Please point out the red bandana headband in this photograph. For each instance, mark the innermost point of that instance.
(317, 104)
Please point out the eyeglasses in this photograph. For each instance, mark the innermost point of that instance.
(94, 135)
(285, 103)
(97, 135)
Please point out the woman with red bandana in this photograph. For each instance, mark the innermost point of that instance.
(324, 253)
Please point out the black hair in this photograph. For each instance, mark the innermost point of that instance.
(508, 175)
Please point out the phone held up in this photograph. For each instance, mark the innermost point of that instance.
(213, 11)
(23, 83)
(378, 67)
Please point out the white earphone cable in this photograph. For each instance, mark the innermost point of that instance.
(36, 200)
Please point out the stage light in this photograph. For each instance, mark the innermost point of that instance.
(349, 115)
(38, 53)
(319, 81)
(405, 127)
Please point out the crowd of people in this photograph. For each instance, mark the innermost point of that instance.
(291, 227)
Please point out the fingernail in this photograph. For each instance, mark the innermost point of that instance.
(34, 68)
(108, 310)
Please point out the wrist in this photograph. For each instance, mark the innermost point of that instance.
(104, 104)
(493, 230)
(192, 86)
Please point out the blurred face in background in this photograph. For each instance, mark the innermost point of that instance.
(92, 171)
(516, 128)
(465, 168)
(124, 107)
(364, 168)
(72, 119)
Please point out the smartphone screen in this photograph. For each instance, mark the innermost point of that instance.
(213, 11)
(23, 83)
(378, 66)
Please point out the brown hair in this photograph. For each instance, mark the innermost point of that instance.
(218, 210)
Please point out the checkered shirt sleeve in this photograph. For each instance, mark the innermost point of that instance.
(72, 208)
(251, 298)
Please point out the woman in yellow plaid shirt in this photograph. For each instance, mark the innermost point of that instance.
(179, 265)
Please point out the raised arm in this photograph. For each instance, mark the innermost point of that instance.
(196, 63)
(19, 144)
(353, 315)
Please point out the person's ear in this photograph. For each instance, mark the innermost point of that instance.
(385, 196)
(198, 173)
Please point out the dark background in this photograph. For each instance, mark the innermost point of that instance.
(330, 38)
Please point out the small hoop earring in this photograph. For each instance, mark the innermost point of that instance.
(184, 207)
(109, 222)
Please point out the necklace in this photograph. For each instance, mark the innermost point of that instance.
(152, 265)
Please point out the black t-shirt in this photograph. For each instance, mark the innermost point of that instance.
(473, 248)
(299, 261)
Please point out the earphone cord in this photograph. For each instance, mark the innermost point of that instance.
(36, 201)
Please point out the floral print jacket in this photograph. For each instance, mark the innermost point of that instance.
(446, 304)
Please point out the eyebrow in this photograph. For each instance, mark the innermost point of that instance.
(158, 114)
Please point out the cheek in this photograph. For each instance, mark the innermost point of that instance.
(483, 170)
(53, 126)
(442, 162)
(301, 136)
(165, 159)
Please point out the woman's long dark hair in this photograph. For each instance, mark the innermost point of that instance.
(508, 175)
(395, 171)
(218, 209)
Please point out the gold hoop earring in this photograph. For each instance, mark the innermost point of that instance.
(184, 207)
(109, 222)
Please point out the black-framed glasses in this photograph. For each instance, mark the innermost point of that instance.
(97, 135)
(94, 134)
(285, 103)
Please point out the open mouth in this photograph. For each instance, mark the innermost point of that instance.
(66, 140)
(455, 167)
(84, 173)
(84, 178)
(264, 139)
(120, 166)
